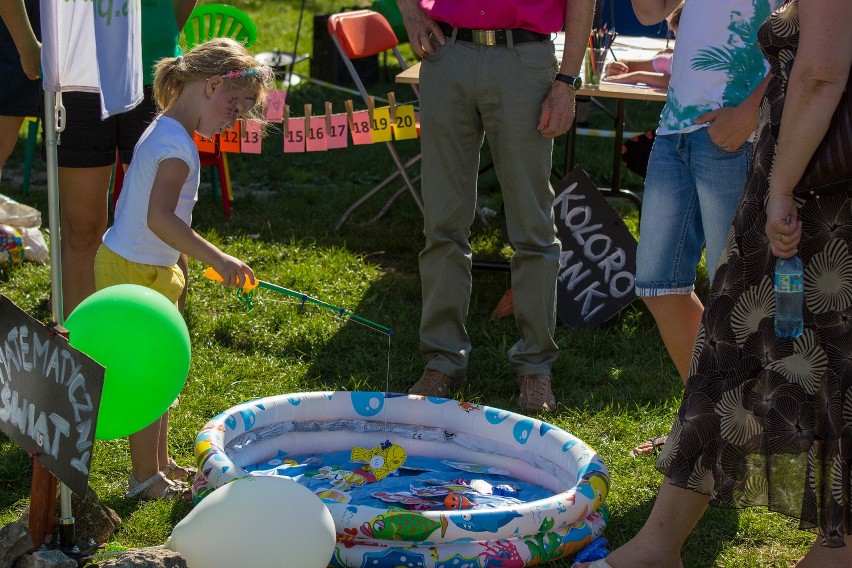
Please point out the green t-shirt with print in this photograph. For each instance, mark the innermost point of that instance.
(717, 61)
(160, 35)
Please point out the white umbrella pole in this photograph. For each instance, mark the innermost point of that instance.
(50, 141)
(52, 116)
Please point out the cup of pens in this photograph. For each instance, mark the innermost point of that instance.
(600, 43)
(594, 65)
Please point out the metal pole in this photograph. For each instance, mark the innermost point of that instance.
(50, 142)
(295, 47)
(52, 117)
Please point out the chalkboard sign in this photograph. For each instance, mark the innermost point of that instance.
(597, 265)
(49, 396)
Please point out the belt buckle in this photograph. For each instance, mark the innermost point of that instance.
(484, 37)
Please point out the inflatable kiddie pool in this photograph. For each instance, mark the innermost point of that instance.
(536, 493)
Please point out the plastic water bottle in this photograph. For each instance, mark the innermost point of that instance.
(789, 296)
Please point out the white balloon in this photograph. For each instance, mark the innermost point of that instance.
(258, 522)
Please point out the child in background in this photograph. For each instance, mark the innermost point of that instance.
(654, 72)
(204, 91)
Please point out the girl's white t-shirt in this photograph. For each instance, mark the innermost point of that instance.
(717, 62)
(130, 236)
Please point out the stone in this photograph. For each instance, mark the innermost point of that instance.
(15, 542)
(46, 559)
(154, 557)
(94, 522)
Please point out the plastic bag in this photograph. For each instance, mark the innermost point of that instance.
(35, 247)
(26, 221)
(18, 214)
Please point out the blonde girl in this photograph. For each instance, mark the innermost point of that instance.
(203, 91)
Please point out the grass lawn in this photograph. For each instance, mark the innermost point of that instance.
(615, 384)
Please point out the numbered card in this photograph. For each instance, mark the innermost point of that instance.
(404, 125)
(275, 105)
(315, 139)
(361, 133)
(381, 125)
(204, 144)
(229, 140)
(339, 131)
(250, 139)
(294, 136)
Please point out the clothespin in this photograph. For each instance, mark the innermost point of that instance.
(349, 111)
(285, 119)
(392, 106)
(328, 118)
(371, 107)
(308, 110)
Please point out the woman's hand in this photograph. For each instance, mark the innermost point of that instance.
(31, 59)
(729, 127)
(783, 227)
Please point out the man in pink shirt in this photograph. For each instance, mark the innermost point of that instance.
(489, 68)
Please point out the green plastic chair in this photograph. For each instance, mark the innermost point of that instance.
(218, 20)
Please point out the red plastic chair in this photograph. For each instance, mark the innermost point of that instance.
(216, 160)
(358, 34)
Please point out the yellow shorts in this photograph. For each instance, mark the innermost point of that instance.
(112, 269)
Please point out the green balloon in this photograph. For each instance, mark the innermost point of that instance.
(142, 341)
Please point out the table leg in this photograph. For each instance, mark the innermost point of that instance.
(615, 190)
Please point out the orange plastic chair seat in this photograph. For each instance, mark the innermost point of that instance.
(362, 33)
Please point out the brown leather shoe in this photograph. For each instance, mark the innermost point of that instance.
(433, 383)
(536, 395)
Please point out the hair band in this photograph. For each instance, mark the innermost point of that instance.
(262, 72)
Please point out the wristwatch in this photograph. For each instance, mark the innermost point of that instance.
(570, 80)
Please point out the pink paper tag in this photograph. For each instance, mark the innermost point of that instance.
(337, 137)
(294, 141)
(275, 105)
(361, 133)
(316, 139)
(250, 141)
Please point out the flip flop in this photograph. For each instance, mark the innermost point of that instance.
(172, 471)
(652, 446)
(172, 490)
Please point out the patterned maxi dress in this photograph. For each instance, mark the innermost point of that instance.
(768, 421)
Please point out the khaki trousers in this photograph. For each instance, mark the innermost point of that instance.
(467, 92)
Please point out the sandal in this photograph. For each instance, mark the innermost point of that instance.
(652, 446)
(174, 491)
(181, 473)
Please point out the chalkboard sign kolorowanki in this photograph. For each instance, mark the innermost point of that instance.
(597, 265)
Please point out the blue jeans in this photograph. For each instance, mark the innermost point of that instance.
(692, 189)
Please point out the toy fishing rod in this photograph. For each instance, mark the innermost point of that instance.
(247, 293)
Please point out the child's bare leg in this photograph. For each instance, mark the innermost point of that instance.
(144, 456)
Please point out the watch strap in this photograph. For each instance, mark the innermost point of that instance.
(570, 80)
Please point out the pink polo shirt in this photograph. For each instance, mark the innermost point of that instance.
(542, 16)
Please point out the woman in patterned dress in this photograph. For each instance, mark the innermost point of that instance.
(764, 420)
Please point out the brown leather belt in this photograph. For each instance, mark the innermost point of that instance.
(492, 37)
